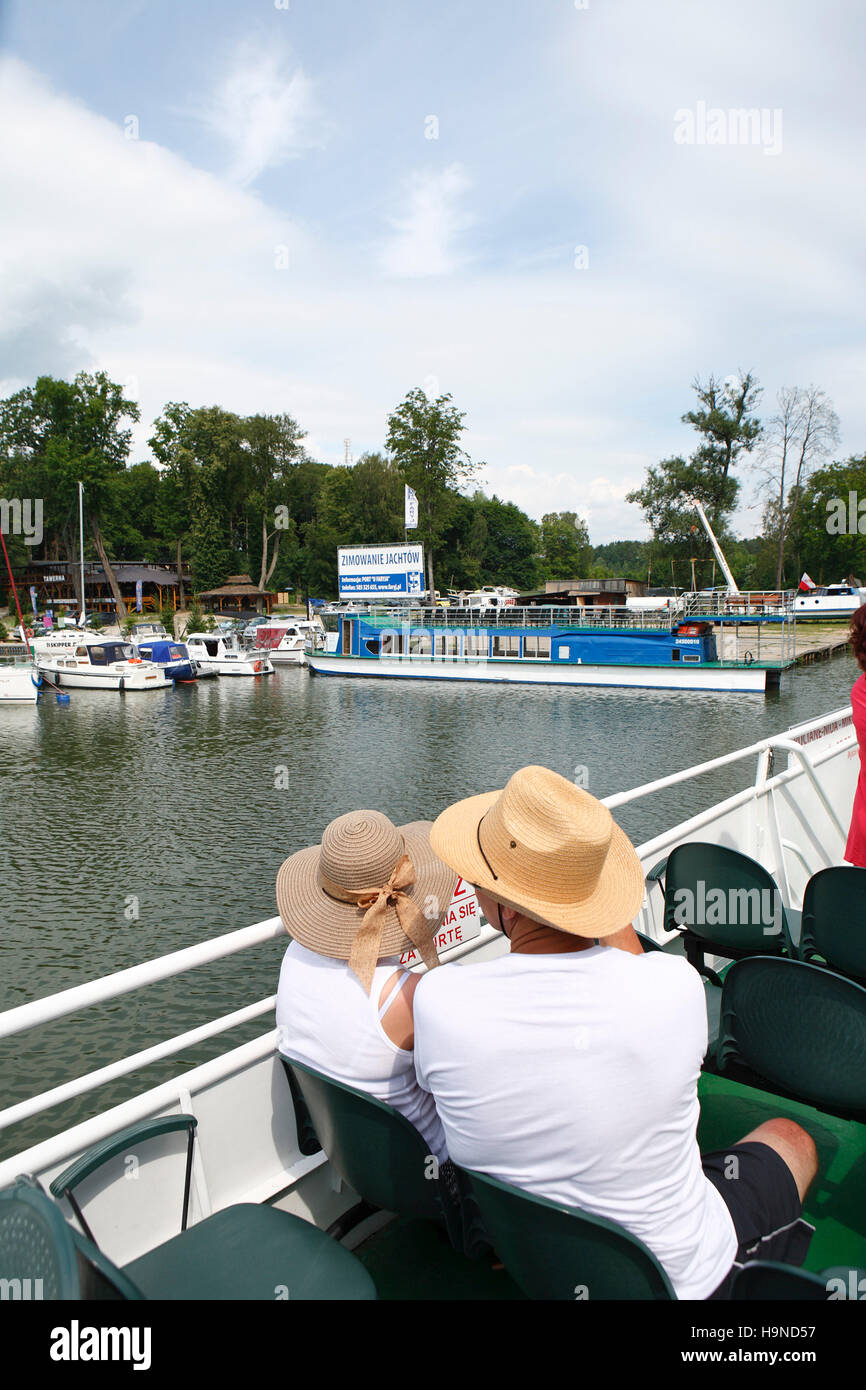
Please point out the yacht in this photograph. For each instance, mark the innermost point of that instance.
(286, 643)
(830, 601)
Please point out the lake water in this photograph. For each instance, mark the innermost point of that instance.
(133, 826)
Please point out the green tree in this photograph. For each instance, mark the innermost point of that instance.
(424, 441)
(727, 427)
(565, 549)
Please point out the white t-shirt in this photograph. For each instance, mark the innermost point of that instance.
(575, 1077)
(326, 1019)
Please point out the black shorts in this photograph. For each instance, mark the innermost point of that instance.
(759, 1191)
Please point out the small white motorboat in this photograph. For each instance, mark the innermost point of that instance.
(96, 663)
(286, 643)
(223, 654)
(19, 683)
(832, 601)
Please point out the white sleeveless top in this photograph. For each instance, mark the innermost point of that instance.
(325, 1020)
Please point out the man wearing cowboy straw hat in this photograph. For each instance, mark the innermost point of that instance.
(353, 905)
(570, 1069)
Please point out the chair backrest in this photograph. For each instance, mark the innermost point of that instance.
(797, 1027)
(43, 1258)
(371, 1145)
(724, 898)
(767, 1280)
(834, 920)
(558, 1252)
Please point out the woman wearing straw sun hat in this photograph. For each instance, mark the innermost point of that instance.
(570, 1069)
(353, 905)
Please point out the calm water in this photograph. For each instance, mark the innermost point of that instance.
(181, 805)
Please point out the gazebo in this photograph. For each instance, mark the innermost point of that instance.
(239, 593)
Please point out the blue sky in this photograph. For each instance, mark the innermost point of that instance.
(282, 234)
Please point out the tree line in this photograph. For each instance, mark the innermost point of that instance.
(225, 493)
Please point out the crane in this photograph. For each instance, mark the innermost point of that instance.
(717, 550)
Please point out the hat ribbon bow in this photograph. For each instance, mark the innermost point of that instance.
(366, 946)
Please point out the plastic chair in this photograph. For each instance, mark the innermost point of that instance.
(245, 1252)
(834, 920)
(558, 1252)
(797, 1030)
(765, 1280)
(724, 904)
(383, 1157)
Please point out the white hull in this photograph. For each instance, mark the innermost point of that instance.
(827, 606)
(288, 658)
(740, 679)
(17, 685)
(240, 666)
(84, 677)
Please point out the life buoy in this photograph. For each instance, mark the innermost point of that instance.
(257, 666)
(28, 632)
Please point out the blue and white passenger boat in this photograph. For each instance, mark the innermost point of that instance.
(560, 646)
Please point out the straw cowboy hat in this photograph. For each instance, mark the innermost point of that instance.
(369, 890)
(547, 849)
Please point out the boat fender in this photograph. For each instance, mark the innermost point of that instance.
(748, 658)
(122, 687)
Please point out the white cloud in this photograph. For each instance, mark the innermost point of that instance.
(261, 110)
(426, 238)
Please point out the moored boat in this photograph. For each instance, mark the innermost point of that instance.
(100, 664)
(829, 601)
(172, 657)
(19, 683)
(286, 643)
(566, 647)
(223, 654)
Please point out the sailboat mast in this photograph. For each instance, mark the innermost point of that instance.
(81, 548)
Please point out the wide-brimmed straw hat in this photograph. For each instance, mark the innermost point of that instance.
(370, 890)
(547, 849)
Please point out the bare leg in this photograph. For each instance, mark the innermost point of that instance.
(793, 1145)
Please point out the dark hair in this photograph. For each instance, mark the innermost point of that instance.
(858, 635)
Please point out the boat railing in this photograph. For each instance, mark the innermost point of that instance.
(775, 603)
(567, 617)
(19, 1019)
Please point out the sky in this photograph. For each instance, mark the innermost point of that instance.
(541, 207)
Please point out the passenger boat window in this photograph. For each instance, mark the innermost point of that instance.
(535, 646)
(373, 645)
(97, 656)
(451, 643)
(81, 651)
(420, 644)
(477, 644)
(506, 645)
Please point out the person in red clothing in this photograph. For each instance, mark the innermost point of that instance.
(855, 850)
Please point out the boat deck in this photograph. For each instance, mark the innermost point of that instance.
(412, 1259)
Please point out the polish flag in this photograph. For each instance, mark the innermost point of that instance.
(806, 583)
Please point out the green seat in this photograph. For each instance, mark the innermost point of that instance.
(243, 1252)
(251, 1252)
(724, 904)
(382, 1157)
(834, 920)
(557, 1252)
(766, 1280)
(797, 1030)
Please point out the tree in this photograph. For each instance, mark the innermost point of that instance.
(424, 441)
(728, 427)
(827, 546)
(565, 549)
(801, 433)
(57, 433)
(271, 446)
